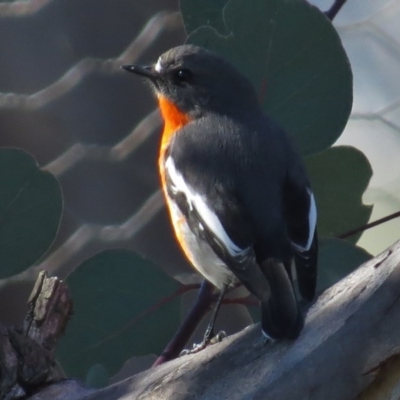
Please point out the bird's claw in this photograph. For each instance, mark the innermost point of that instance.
(219, 337)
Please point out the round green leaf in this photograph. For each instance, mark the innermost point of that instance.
(337, 258)
(339, 176)
(30, 211)
(113, 293)
(294, 57)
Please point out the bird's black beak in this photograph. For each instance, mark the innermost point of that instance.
(146, 71)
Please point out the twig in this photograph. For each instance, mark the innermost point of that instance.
(335, 8)
(368, 226)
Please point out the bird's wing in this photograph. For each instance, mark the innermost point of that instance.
(214, 216)
(301, 218)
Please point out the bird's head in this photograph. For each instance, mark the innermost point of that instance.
(197, 81)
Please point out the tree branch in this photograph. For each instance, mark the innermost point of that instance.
(335, 8)
(351, 337)
(368, 226)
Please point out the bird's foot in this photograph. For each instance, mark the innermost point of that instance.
(219, 337)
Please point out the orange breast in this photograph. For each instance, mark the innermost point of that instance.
(174, 119)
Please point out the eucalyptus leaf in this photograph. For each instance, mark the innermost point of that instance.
(30, 211)
(113, 294)
(339, 177)
(294, 57)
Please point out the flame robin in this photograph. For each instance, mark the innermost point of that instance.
(237, 191)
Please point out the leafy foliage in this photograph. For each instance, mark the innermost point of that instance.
(339, 177)
(292, 54)
(112, 292)
(30, 211)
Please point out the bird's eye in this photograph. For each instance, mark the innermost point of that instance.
(183, 75)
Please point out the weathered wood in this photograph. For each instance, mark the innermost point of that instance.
(351, 334)
(27, 355)
(64, 390)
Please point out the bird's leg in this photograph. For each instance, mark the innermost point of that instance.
(209, 337)
(209, 334)
(201, 307)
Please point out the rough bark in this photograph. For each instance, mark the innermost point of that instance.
(349, 349)
(27, 355)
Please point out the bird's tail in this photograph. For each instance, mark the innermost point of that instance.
(281, 316)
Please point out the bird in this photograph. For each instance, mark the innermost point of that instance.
(237, 191)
